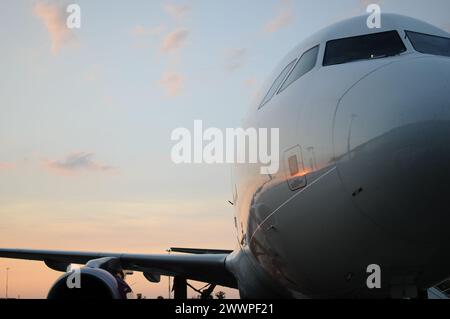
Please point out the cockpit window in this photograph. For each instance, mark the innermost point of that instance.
(305, 64)
(276, 84)
(366, 47)
(429, 44)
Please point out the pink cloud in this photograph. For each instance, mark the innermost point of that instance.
(76, 163)
(235, 58)
(250, 82)
(177, 12)
(252, 86)
(7, 166)
(141, 31)
(54, 20)
(173, 83)
(174, 40)
(284, 17)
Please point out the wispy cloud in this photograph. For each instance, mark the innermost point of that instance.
(252, 86)
(174, 40)
(7, 166)
(177, 12)
(144, 36)
(251, 83)
(284, 17)
(77, 163)
(141, 31)
(235, 58)
(173, 83)
(54, 20)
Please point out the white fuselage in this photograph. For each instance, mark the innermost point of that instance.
(372, 143)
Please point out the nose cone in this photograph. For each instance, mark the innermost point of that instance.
(392, 147)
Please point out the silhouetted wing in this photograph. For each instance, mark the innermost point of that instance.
(209, 268)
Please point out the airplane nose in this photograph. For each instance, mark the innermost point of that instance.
(392, 148)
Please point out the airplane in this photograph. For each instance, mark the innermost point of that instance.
(364, 119)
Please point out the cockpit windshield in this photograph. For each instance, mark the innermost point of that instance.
(429, 44)
(366, 47)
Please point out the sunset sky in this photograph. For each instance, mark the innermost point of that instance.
(86, 118)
